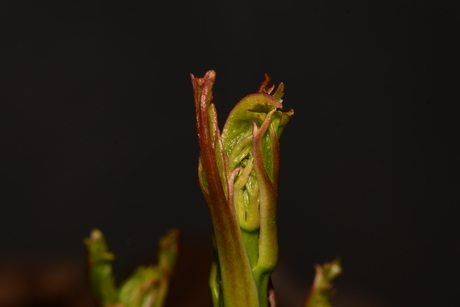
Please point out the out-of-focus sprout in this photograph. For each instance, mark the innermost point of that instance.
(321, 288)
(147, 287)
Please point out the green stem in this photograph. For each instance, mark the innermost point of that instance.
(251, 241)
(214, 282)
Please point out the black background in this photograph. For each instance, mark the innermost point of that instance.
(97, 130)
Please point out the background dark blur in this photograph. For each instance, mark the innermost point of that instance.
(97, 130)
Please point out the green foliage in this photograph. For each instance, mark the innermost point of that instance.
(238, 175)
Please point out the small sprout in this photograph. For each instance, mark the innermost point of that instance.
(320, 291)
(148, 285)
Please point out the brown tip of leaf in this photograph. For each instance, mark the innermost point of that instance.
(263, 88)
(209, 77)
